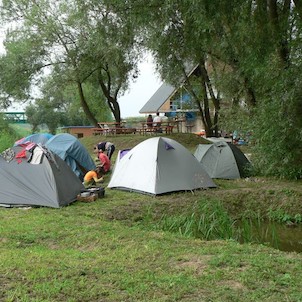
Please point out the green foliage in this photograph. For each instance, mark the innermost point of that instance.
(208, 221)
(253, 54)
(281, 216)
(75, 44)
(6, 140)
(278, 135)
(249, 58)
(96, 102)
(42, 113)
(7, 134)
(235, 118)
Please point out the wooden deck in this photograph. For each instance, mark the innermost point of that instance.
(112, 129)
(141, 131)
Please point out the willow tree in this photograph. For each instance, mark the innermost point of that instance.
(164, 30)
(249, 52)
(78, 42)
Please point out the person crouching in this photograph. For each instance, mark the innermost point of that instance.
(103, 160)
(94, 177)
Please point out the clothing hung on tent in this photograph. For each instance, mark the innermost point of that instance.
(37, 178)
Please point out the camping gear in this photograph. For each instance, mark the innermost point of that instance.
(48, 182)
(159, 165)
(37, 138)
(70, 149)
(97, 191)
(222, 160)
(87, 198)
(85, 194)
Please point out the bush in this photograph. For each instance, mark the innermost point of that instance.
(278, 140)
(6, 140)
(8, 135)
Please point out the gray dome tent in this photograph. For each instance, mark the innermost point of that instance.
(159, 165)
(36, 178)
(222, 160)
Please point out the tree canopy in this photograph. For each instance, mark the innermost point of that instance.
(248, 54)
(249, 58)
(71, 40)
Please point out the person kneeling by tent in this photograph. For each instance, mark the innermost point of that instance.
(104, 160)
(94, 177)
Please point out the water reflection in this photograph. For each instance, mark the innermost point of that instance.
(280, 236)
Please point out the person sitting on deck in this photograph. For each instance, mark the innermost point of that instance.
(149, 121)
(157, 122)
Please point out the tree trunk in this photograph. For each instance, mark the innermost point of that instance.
(115, 109)
(207, 86)
(298, 6)
(250, 95)
(203, 110)
(278, 32)
(85, 107)
(112, 102)
(207, 116)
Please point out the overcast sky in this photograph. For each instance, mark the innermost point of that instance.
(140, 92)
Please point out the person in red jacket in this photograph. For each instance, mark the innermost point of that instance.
(104, 161)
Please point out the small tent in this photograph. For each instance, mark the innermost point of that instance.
(159, 165)
(36, 177)
(37, 138)
(70, 149)
(222, 160)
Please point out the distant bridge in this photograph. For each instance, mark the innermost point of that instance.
(15, 117)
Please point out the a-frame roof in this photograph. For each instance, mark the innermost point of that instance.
(163, 93)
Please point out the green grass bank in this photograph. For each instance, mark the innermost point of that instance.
(123, 247)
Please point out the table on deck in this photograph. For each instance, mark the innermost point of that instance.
(112, 128)
(111, 125)
(166, 127)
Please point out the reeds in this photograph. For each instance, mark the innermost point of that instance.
(209, 220)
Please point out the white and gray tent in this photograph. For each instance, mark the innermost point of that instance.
(36, 177)
(222, 160)
(159, 165)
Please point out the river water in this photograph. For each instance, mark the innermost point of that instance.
(280, 236)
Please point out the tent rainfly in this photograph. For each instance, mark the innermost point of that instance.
(222, 160)
(36, 177)
(159, 165)
(70, 149)
(37, 138)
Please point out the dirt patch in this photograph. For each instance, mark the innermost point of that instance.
(234, 285)
(198, 265)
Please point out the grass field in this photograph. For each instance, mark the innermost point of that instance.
(123, 247)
